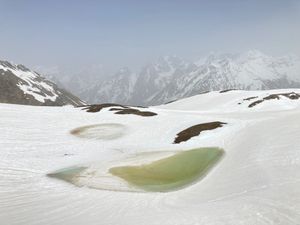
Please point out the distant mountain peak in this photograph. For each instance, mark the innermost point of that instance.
(253, 55)
(124, 70)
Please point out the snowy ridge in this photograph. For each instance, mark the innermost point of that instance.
(238, 101)
(34, 88)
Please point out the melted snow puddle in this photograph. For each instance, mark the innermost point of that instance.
(155, 172)
(105, 131)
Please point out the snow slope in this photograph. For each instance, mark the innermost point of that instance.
(257, 182)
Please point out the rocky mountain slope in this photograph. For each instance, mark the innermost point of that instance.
(172, 78)
(19, 85)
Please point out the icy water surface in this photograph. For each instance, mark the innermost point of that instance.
(162, 175)
(171, 173)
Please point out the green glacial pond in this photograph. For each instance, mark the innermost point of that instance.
(166, 174)
(171, 173)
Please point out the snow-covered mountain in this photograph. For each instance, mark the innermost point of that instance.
(19, 85)
(172, 78)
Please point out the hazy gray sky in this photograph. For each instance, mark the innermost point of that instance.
(65, 33)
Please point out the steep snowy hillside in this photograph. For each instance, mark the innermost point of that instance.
(19, 85)
(257, 181)
(172, 78)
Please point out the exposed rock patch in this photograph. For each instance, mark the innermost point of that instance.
(120, 109)
(196, 130)
(224, 91)
(255, 103)
(99, 107)
(291, 95)
(115, 109)
(136, 112)
(250, 98)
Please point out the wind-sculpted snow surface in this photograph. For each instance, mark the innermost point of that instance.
(256, 182)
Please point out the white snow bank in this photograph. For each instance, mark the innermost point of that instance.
(257, 182)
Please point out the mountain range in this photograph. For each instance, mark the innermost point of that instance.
(171, 78)
(167, 79)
